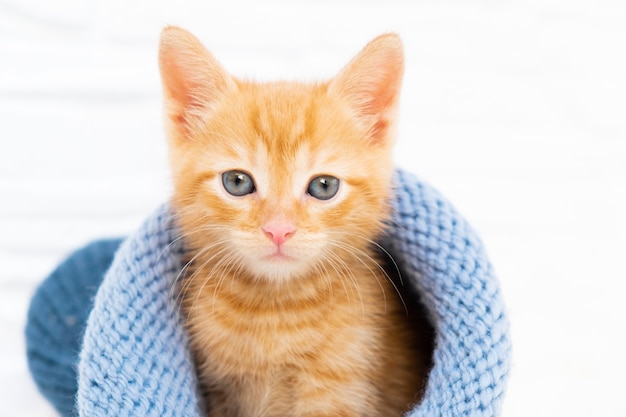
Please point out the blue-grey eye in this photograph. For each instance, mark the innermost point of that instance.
(323, 187)
(238, 183)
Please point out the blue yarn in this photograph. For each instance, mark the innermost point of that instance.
(445, 261)
(56, 319)
(134, 359)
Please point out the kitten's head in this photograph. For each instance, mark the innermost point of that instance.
(280, 179)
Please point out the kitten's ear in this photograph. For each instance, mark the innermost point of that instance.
(192, 80)
(371, 83)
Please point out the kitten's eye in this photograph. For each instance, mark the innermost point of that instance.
(238, 183)
(323, 187)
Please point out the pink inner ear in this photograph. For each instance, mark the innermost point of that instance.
(175, 80)
(388, 89)
(383, 102)
(372, 82)
(191, 77)
(178, 97)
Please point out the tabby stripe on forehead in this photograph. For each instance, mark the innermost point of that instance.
(205, 176)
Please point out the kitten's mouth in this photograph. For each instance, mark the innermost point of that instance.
(279, 256)
(279, 264)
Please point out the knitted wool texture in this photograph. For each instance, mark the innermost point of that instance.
(135, 360)
(56, 320)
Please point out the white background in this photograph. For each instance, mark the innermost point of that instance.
(516, 110)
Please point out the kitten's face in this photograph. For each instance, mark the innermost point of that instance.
(282, 179)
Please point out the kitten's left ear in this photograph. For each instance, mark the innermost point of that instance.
(192, 80)
(371, 83)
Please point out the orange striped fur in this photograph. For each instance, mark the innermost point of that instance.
(315, 327)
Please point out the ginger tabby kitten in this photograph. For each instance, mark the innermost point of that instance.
(280, 190)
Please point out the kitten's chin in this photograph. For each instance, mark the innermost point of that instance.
(294, 259)
(279, 267)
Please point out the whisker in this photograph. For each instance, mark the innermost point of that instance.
(357, 254)
(200, 269)
(376, 244)
(186, 267)
(229, 260)
(199, 229)
(237, 272)
(351, 277)
(321, 270)
(211, 273)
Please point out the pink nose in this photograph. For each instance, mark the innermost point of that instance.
(279, 232)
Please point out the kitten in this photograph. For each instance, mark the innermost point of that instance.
(280, 190)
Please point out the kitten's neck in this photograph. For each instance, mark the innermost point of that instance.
(262, 292)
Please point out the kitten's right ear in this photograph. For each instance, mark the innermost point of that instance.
(371, 83)
(192, 80)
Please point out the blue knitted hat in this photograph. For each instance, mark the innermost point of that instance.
(134, 358)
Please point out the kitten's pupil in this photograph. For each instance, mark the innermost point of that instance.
(323, 187)
(238, 183)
